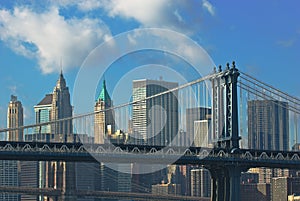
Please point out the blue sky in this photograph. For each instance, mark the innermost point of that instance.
(263, 37)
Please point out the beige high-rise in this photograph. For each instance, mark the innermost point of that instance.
(15, 119)
(104, 117)
(10, 170)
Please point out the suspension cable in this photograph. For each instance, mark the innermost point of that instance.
(261, 95)
(258, 81)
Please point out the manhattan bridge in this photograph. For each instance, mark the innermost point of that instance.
(225, 148)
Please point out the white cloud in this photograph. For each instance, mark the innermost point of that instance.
(184, 16)
(47, 36)
(146, 12)
(208, 6)
(87, 5)
(83, 5)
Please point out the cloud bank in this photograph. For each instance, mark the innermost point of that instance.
(48, 37)
(178, 15)
(51, 31)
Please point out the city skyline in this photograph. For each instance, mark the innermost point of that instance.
(220, 171)
(261, 49)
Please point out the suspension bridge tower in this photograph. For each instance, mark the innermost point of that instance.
(226, 176)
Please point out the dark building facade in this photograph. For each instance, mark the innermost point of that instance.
(255, 192)
(268, 125)
(200, 183)
(282, 187)
(268, 129)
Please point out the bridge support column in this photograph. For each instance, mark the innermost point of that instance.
(234, 176)
(219, 184)
(225, 182)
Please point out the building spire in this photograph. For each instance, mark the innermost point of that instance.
(61, 68)
(104, 96)
(61, 82)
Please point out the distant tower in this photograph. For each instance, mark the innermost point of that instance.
(15, 119)
(61, 108)
(9, 170)
(104, 120)
(63, 173)
(52, 107)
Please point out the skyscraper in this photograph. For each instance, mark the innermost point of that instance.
(268, 125)
(52, 107)
(61, 108)
(15, 119)
(10, 170)
(104, 119)
(282, 187)
(197, 121)
(155, 120)
(201, 132)
(268, 129)
(62, 174)
(42, 115)
(200, 183)
(104, 128)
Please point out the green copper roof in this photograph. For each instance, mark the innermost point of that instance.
(104, 96)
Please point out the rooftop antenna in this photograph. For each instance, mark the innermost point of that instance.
(61, 68)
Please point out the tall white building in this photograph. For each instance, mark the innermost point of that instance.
(154, 120)
(201, 132)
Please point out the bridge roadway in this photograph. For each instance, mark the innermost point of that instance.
(55, 193)
(121, 153)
